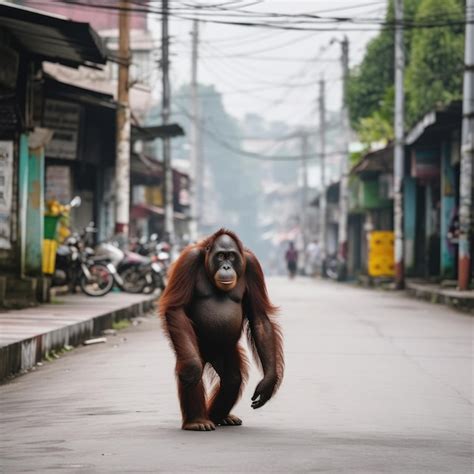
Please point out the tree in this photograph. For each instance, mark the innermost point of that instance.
(434, 74)
(370, 88)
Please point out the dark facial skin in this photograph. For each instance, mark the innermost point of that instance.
(225, 264)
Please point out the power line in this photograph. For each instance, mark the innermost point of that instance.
(291, 22)
(250, 154)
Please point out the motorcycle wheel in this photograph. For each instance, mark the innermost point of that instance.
(332, 270)
(100, 283)
(158, 284)
(134, 281)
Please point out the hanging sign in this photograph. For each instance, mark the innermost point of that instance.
(6, 181)
(62, 117)
(58, 184)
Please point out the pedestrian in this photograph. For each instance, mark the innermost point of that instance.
(291, 257)
(312, 258)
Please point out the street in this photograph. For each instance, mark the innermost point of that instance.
(375, 382)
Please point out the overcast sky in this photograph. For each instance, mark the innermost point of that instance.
(270, 72)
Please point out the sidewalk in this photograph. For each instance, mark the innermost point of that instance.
(28, 335)
(462, 300)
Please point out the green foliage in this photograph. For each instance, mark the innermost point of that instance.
(122, 324)
(434, 58)
(368, 83)
(434, 74)
(375, 129)
(355, 157)
(370, 87)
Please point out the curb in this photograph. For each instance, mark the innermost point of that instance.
(20, 356)
(452, 298)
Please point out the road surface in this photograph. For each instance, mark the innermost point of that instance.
(375, 382)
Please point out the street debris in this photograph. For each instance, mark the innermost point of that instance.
(138, 320)
(97, 340)
(109, 332)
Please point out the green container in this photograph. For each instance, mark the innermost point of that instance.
(50, 226)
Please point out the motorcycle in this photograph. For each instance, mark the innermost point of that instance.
(132, 272)
(75, 266)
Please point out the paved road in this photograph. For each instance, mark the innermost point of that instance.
(375, 383)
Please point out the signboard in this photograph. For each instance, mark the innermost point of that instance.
(425, 163)
(6, 182)
(64, 118)
(58, 184)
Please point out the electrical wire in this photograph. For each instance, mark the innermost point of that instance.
(213, 136)
(290, 22)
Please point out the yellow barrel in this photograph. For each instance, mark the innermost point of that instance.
(49, 256)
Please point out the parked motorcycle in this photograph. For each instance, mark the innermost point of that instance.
(132, 272)
(75, 267)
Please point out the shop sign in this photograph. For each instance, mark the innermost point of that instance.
(154, 195)
(6, 182)
(64, 118)
(58, 184)
(9, 60)
(425, 164)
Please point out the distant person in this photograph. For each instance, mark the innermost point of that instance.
(291, 258)
(313, 253)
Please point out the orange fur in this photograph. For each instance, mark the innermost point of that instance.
(263, 332)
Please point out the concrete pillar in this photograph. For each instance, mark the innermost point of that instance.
(35, 213)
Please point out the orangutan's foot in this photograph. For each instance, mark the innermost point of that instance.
(230, 420)
(199, 425)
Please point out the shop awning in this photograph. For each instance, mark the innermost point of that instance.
(51, 37)
(73, 93)
(434, 123)
(159, 131)
(143, 210)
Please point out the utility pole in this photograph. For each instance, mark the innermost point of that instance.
(322, 198)
(344, 182)
(165, 114)
(122, 165)
(196, 164)
(467, 156)
(304, 189)
(399, 152)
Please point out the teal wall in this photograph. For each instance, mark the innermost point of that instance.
(23, 200)
(448, 207)
(31, 208)
(409, 222)
(35, 213)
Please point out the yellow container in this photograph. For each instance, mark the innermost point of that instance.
(49, 256)
(381, 243)
(381, 267)
(381, 254)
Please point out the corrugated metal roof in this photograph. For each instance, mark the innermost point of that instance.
(379, 161)
(51, 37)
(158, 131)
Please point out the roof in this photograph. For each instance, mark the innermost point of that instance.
(160, 131)
(332, 194)
(51, 37)
(436, 122)
(375, 162)
(138, 210)
(78, 94)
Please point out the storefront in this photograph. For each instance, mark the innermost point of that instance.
(28, 37)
